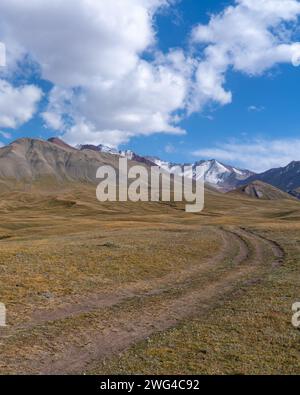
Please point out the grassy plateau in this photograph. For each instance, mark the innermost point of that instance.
(132, 288)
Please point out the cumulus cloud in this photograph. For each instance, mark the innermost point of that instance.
(104, 87)
(52, 120)
(142, 103)
(6, 135)
(77, 42)
(250, 37)
(92, 52)
(257, 155)
(2, 55)
(83, 131)
(17, 104)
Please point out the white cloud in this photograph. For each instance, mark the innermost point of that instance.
(92, 52)
(254, 108)
(143, 102)
(17, 104)
(257, 155)
(170, 149)
(2, 55)
(78, 42)
(60, 102)
(84, 131)
(250, 37)
(53, 120)
(104, 89)
(6, 135)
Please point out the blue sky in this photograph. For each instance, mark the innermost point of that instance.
(247, 115)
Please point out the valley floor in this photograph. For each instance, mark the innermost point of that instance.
(148, 288)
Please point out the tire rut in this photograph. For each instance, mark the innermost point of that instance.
(142, 289)
(127, 328)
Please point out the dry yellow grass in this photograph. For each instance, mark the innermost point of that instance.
(72, 269)
(248, 332)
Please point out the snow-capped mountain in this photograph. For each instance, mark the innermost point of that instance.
(130, 155)
(222, 177)
(217, 174)
(99, 148)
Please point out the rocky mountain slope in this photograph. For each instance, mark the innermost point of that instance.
(130, 155)
(33, 159)
(39, 160)
(220, 176)
(261, 190)
(285, 178)
(60, 143)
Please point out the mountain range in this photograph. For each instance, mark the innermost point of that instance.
(261, 190)
(220, 176)
(34, 159)
(285, 178)
(38, 160)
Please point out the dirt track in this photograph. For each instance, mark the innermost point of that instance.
(136, 312)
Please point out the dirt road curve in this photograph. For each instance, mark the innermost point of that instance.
(110, 323)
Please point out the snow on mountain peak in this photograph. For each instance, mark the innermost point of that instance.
(217, 174)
